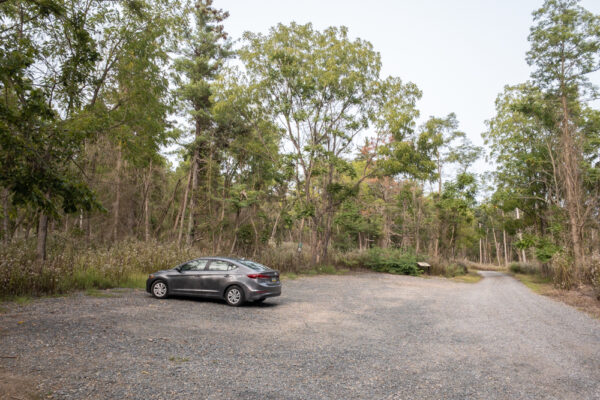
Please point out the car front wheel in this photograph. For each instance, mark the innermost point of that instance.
(159, 289)
(234, 296)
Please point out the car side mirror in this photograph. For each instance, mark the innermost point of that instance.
(178, 269)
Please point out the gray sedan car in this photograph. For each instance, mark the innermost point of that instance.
(232, 279)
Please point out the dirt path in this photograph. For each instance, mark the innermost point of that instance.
(369, 336)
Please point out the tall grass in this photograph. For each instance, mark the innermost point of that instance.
(75, 265)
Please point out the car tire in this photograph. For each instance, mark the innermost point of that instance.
(234, 296)
(159, 289)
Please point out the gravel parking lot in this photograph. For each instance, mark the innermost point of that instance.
(365, 336)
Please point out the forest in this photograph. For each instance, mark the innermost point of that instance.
(136, 134)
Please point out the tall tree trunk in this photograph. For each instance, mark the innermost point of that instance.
(5, 219)
(42, 234)
(452, 246)
(439, 168)
(184, 208)
(327, 235)
(146, 220)
(146, 203)
(480, 247)
(417, 219)
(256, 238)
(300, 232)
(572, 184)
(274, 230)
(117, 202)
(191, 220)
(520, 233)
(237, 224)
(505, 245)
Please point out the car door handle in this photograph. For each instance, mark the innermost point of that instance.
(226, 276)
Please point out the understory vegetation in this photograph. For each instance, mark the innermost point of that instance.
(136, 135)
(73, 265)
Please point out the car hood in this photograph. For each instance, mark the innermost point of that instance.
(163, 271)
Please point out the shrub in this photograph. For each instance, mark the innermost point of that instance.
(595, 274)
(523, 268)
(450, 269)
(392, 261)
(456, 268)
(562, 267)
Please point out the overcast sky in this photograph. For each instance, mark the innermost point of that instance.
(460, 53)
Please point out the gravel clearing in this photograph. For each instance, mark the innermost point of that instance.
(364, 336)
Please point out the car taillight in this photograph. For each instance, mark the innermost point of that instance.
(258, 276)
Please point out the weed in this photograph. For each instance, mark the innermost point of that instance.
(100, 294)
(22, 300)
(535, 282)
(564, 277)
(470, 277)
(178, 360)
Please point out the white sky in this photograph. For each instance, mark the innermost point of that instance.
(460, 53)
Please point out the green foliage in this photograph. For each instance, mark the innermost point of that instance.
(454, 269)
(594, 269)
(523, 268)
(563, 272)
(392, 261)
(565, 33)
(545, 249)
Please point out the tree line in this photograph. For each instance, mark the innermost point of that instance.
(143, 119)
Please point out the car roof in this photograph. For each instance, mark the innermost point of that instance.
(222, 258)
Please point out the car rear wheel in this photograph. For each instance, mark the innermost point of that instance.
(234, 296)
(159, 289)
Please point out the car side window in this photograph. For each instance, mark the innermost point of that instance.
(194, 265)
(217, 265)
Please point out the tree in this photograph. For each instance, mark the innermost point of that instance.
(205, 48)
(321, 89)
(565, 49)
(437, 135)
(37, 143)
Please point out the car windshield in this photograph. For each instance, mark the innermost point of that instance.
(254, 265)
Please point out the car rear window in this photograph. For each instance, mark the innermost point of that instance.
(254, 265)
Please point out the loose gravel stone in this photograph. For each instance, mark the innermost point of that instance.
(365, 336)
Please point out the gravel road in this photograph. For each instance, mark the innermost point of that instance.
(364, 336)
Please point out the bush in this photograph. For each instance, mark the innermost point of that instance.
(562, 268)
(595, 274)
(523, 268)
(393, 261)
(447, 268)
(456, 268)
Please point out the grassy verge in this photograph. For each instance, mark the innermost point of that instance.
(320, 270)
(100, 293)
(469, 277)
(536, 282)
(581, 297)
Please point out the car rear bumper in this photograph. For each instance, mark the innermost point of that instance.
(263, 293)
